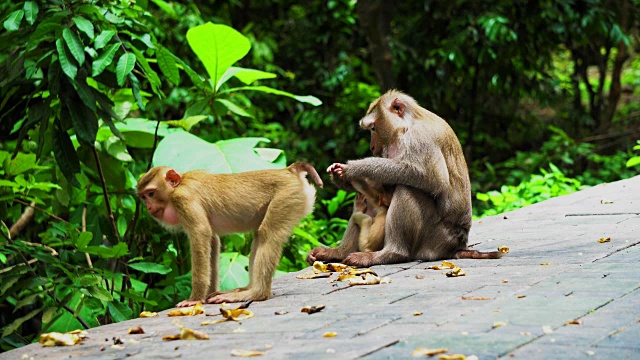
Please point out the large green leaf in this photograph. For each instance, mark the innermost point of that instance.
(265, 89)
(74, 44)
(12, 23)
(247, 76)
(233, 270)
(218, 47)
(231, 106)
(185, 152)
(30, 11)
(125, 65)
(18, 322)
(148, 267)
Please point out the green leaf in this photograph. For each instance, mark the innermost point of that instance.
(233, 271)
(185, 152)
(247, 76)
(85, 26)
(65, 153)
(105, 59)
(633, 161)
(166, 7)
(85, 92)
(152, 76)
(66, 63)
(118, 149)
(187, 123)
(11, 328)
(168, 65)
(125, 65)
(234, 108)
(312, 100)
(22, 162)
(85, 122)
(83, 240)
(147, 267)
(30, 11)
(74, 44)
(218, 47)
(103, 39)
(100, 293)
(105, 252)
(12, 23)
(135, 88)
(119, 311)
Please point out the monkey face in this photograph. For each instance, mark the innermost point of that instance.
(155, 190)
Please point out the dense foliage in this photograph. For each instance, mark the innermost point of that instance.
(543, 96)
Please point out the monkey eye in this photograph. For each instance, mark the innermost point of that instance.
(150, 193)
(372, 128)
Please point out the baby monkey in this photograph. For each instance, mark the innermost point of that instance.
(205, 206)
(370, 213)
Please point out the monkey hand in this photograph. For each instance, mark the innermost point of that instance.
(336, 169)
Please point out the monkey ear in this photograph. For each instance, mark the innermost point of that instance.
(397, 107)
(173, 178)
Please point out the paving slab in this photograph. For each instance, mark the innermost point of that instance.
(559, 293)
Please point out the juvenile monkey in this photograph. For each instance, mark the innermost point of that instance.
(429, 217)
(370, 213)
(205, 206)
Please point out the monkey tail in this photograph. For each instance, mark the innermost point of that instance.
(473, 254)
(309, 169)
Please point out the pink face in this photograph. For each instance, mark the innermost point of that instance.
(161, 209)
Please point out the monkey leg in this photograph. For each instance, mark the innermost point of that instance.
(348, 244)
(266, 250)
(375, 238)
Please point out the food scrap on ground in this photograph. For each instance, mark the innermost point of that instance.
(187, 334)
(59, 339)
(312, 309)
(604, 240)
(330, 334)
(135, 330)
(445, 265)
(196, 309)
(422, 351)
(246, 353)
(477, 298)
(503, 249)
(455, 272)
(148, 314)
(238, 314)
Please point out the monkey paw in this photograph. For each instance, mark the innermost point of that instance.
(187, 303)
(360, 259)
(235, 296)
(336, 168)
(322, 254)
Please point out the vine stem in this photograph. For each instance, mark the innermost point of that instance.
(112, 219)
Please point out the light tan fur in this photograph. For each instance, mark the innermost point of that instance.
(205, 206)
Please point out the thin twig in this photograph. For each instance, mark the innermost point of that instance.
(84, 229)
(23, 220)
(41, 210)
(112, 219)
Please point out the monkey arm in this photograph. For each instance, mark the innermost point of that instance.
(433, 179)
(200, 236)
(341, 183)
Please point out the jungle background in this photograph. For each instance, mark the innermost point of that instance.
(542, 95)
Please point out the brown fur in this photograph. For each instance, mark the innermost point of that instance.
(429, 217)
(204, 206)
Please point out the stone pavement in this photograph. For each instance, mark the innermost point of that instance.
(556, 272)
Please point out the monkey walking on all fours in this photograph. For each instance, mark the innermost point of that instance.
(429, 215)
(206, 206)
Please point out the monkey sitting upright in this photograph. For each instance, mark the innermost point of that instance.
(204, 206)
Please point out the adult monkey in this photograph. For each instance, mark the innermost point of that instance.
(429, 217)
